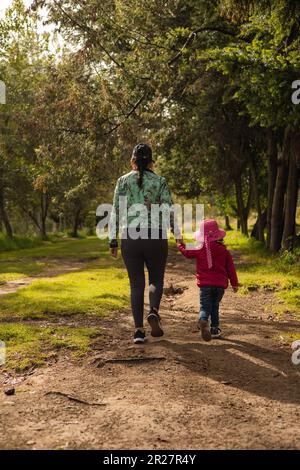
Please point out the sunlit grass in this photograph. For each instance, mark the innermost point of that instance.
(93, 291)
(62, 248)
(20, 263)
(290, 337)
(100, 287)
(17, 269)
(259, 269)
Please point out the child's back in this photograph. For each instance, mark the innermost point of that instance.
(222, 267)
(214, 266)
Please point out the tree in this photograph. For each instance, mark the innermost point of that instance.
(262, 68)
(23, 57)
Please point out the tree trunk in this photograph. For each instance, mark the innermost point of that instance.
(272, 174)
(4, 216)
(32, 217)
(76, 223)
(263, 221)
(291, 196)
(56, 221)
(242, 210)
(260, 227)
(279, 194)
(227, 223)
(6, 221)
(44, 213)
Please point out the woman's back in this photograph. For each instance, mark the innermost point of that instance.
(153, 191)
(141, 191)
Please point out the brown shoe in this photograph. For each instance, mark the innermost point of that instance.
(205, 330)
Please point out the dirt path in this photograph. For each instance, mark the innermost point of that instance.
(241, 391)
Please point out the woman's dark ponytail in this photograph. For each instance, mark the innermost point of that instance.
(141, 167)
(141, 157)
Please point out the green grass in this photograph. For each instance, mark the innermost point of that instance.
(12, 264)
(291, 337)
(259, 270)
(100, 287)
(12, 270)
(19, 263)
(85, 248)
(28, 345)
(97, 290)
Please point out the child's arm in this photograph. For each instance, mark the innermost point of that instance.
(232, 272)
(187, 253)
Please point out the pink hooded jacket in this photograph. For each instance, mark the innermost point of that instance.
(222, 267)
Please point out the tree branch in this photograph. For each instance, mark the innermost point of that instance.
(89, 30)
(193, 34)
(127, 115)
(73, 131)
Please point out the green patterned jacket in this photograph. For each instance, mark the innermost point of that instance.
(154, 190)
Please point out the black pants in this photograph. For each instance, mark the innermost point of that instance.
(137, 254)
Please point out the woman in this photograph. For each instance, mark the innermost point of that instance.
(150, 246)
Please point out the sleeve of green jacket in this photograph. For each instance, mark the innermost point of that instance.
(113, 229)
(165, 195)
(166, 198)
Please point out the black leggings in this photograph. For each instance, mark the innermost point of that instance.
(137, 254)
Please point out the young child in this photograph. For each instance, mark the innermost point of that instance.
(214, 266)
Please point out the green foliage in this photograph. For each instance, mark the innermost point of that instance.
(18, 242)
(200, 81)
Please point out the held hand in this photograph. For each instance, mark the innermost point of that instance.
(114, 252)
(235, 289)
(179, 241)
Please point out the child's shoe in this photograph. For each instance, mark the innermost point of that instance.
(205, 331)
(215, 332)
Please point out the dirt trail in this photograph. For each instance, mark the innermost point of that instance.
(241, 391)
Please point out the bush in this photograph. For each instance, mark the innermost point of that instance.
(288, 257)
(18, 242)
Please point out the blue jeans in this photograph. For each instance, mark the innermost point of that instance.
(210, 298)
